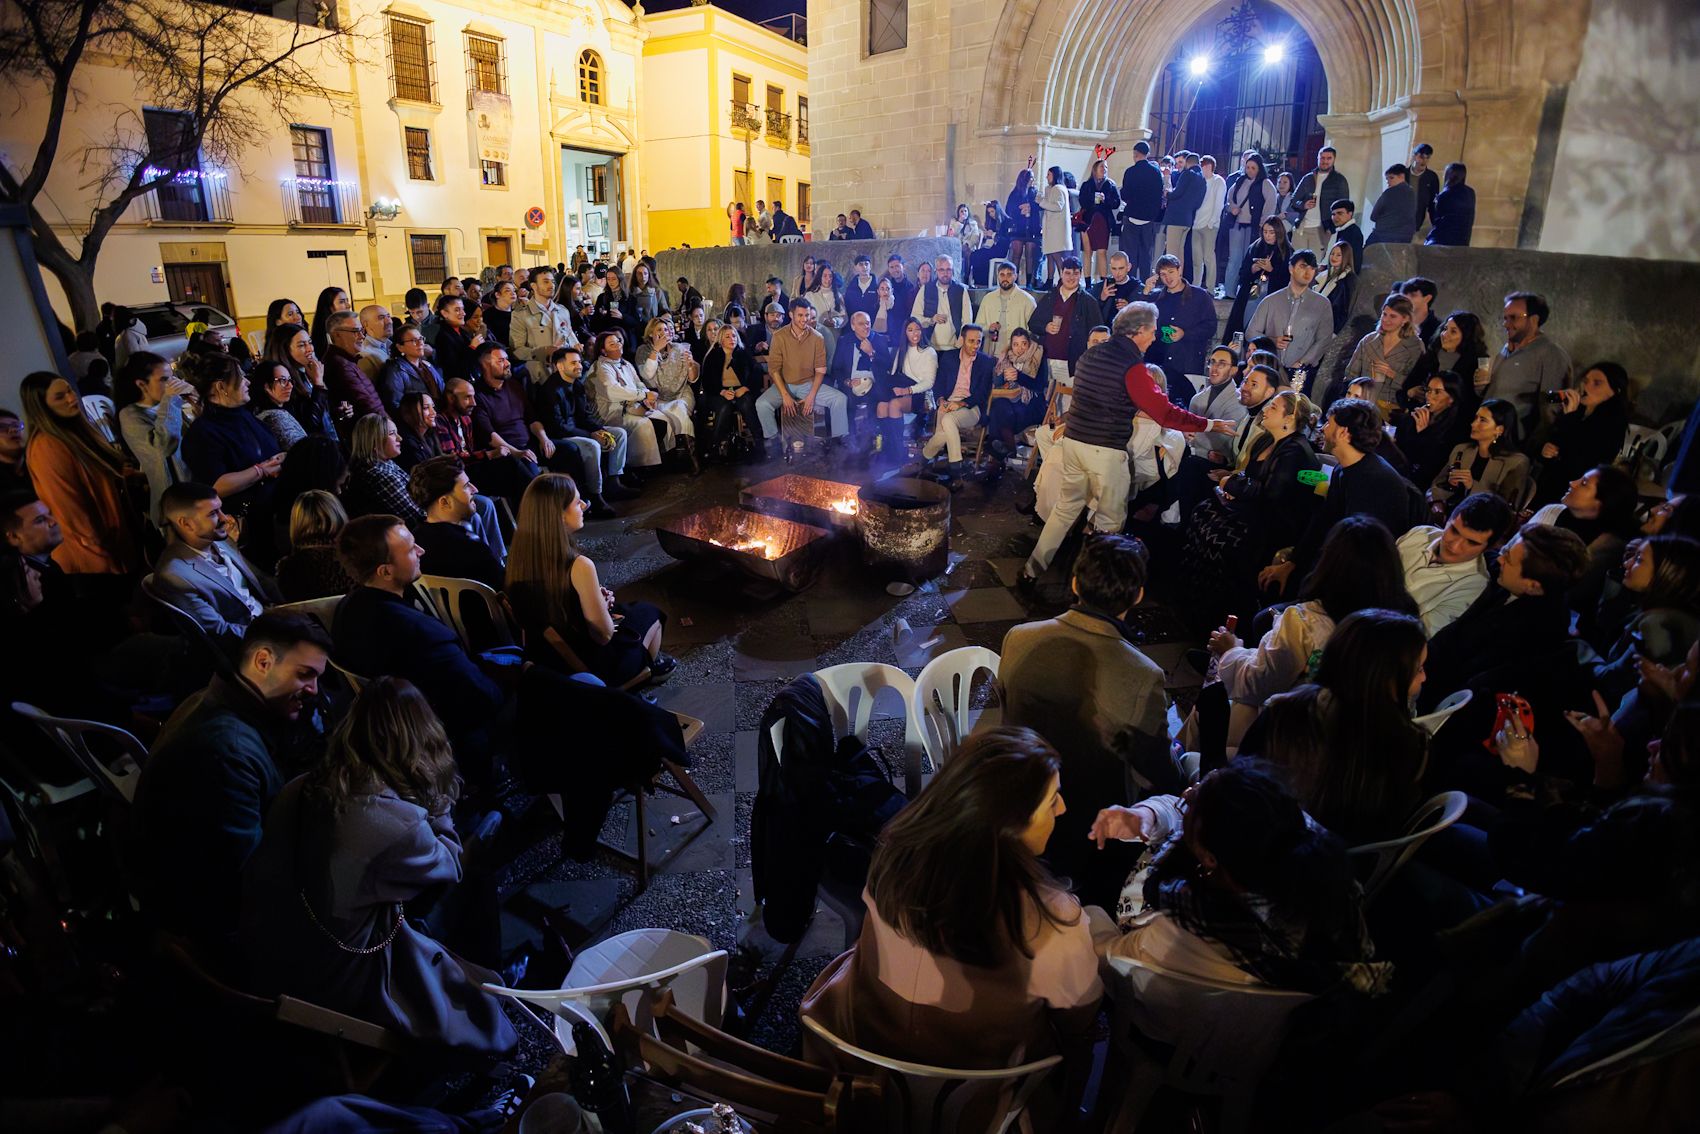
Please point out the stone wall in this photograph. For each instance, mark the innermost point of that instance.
(714, 270)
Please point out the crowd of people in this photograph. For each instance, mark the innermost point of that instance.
(1445, 518)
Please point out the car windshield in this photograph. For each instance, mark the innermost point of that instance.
(162, 322)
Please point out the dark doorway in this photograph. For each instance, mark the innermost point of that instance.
(198, 283)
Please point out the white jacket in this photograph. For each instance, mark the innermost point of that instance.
(1209, 213)
(1009, 310)
(1058, 233)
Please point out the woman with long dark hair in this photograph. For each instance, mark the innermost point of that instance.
(1488, 462)
(309, 400)
(1242, 884)
(281, 311)
(994, 245)
(558, 597)
(1600, 506)
(971, 953)
(1021, 211)
(1250, 202)
(79, 475)
(456, 343)
(331, 300)
(1348, 742)
(914, 367)
(272, 387)
(1099, 201)
(806, 280)
(1428, 434)
(346, 848)
(1589, 429)
(1263, 271)
(1458, 345)
(232, 450)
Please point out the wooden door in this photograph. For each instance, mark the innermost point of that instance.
(498, 250)
(198, 283)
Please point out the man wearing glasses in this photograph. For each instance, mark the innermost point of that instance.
(1529, 363)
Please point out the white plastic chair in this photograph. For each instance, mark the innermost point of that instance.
(1640, 442)
(324, 609)
(922, 1099)
(1224, 1036)
(71, 736)
(1391, 855)
(98, 408)
(633, 968)
(942, 695)
(1431, 722)
(851, 692)
(792, 239)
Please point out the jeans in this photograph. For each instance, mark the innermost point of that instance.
(1137, 242)
(1239, 239)
(590, 460)
(487, 528)
(837, 407)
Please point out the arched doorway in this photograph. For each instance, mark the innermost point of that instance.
(1246, 76)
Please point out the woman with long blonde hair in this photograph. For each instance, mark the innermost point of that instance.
(566, 613)
(79, 475)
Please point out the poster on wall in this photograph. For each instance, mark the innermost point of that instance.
(492, 119)
(594, 224)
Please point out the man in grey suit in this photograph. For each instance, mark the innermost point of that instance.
(1080, 682)
(202, 572)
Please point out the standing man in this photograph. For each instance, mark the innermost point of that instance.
(1300, 320)
(1063, 317)
(945, 307)
(1529, 363)
(1343, 213)
(784, 224)
(540, 326)
(1394, 210)
(763, 227)
(1206, 223)
(1007, 308)
(1317, 190)
(1142, 204)
(841, 230)
(861, 228)
(796, 362)
(1186, 328)
(1111, 384)
(1184, 199)
(1427, 185)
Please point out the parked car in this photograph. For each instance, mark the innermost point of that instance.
(166, 323)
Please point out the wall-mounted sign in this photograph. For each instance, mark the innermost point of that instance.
(157, 275)
(534, 217)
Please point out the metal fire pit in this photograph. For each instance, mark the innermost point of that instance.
(805, 499)
(762, 546)
(906, 528)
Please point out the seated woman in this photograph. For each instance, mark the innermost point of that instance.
(1338, 281)
(1460, 345)
(1018, 392)
(887, 320)
(619, 396)
(1244, 888)
(1428, 434)
(1358, 569)
(152, 408)
(376, 484)
(1662, 575)
(420, 440)
(1389, 353)
(1487, 462)
(455, 341)
(667, 368)
(972, 955)
(309, 400)
(312, 569)
(228, 448)
(1600, 507)
(1253, 512)
(346, 848)
(914, 366)
(1589, 431)
(559, 601)
(1348, 743)
(726, 392)
(80, 476)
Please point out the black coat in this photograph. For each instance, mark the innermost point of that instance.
(1584, 440)
(1107, 207)
(1428, 449)
(979, 378)
(1142, 191)
(563, 410)
(1454, 212)
(1268, 492)
(843, 362)
(708, 386)
(1370, 487)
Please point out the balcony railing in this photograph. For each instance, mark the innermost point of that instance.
(313, 201)
(779, 126)
(195, 196)
(746, 116)
(794, 27)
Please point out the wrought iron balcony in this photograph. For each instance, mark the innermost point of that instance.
(195, 196)
(316, 202)
(746, 116)
(779, 126)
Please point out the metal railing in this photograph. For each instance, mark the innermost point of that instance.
(309, 201)
(794, 27)
(195, 196)
(779, 125)
(746, 116)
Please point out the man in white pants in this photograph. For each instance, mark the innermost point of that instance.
(965, 382)
(1205, 224)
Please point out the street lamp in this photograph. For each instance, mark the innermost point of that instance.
(384, 208)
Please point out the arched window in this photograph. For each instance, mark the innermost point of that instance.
(590, 77)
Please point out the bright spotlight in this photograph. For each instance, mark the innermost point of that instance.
(1274, 53)
(1198, 66)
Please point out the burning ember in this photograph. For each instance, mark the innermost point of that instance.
(806, 499)
(845, 507)
(761, 547)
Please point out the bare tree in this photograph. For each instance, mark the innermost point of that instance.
(231, 75)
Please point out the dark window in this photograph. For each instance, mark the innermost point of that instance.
(596, 184)
(493, 172)
(313, 175)
(171, 147)
(740, 88)
(430, 258)
(802, 120)
(804, 204)
(888, 25)
(418, 153)
(410, 60)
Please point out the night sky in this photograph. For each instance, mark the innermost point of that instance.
(754, 10)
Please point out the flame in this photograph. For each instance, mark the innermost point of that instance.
(762, 547)
(845, 507)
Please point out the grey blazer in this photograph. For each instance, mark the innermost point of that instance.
(1504, 476)
(154, 435)
(186, 578)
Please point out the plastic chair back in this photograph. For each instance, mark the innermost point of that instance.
(117, 778)
(190, 630)
(851, 691)
(355, 681)
(921, 1099)
(942, 696)
(792, 239)
(323, 609)
(1224, 1036)
(633, 968)
(1431, 722)
(1390, 855)
(98, 408)
(453, 597)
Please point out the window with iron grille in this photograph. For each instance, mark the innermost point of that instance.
(418, 153)
(410, 60)
(804, 203)
(486, 64)
(888, 25)
(596, 184)
(590, 77)
(170, 147)
(493, 172)
(430, 253)
(313, 175)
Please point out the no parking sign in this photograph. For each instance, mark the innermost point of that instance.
(534, 217)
